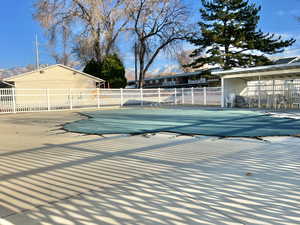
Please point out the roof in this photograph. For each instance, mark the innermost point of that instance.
(49, 67)
(281, 70)
(297, 60)
(199, 72)
(287, 60)
(175, 75)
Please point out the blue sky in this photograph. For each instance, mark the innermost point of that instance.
(18, 30)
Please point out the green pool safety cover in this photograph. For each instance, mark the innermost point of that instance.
(212, 122)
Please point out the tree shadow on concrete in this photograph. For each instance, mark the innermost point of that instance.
(133, 180)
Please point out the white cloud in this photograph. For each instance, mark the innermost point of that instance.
(290, 52)
(280, 13)
(293, 12)
(290, 35)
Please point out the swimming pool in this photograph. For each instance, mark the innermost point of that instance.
(185, 120)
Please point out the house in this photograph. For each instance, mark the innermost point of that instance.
(53, 77)
(57, 86)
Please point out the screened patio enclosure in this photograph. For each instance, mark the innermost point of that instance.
(270, 87)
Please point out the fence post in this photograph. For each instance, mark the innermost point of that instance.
(182, 95)
(175, 96)
(121, 99)
(259, 93)
(192, 90)
(205, 95)
(71, 99)
(142, 97)
(48, 99)
(159, 100)
(273, 94)
(98, 98)
(289, 96)
(223, 101)
(14, 100)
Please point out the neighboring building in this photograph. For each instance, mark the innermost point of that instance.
(53, 77)
(202, 78)
(199, 78)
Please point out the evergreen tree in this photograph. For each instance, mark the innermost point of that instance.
(111, 69)
(93, 68)
(230, 38)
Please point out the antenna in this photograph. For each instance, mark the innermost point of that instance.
(37, 54)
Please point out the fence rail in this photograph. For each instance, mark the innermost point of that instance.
(36, 100)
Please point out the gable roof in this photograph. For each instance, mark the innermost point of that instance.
(49, 67)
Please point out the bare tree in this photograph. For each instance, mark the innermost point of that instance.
(157, 25)
(58, 31)
(104, 20)
(92, 26)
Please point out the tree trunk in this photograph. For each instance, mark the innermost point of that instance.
(135, 65)
(141, 53)
(227, 58)
(141, 75)
(97, 49)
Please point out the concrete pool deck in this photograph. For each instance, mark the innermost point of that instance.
(49, 176)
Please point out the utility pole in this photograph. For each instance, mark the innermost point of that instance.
(37, 54)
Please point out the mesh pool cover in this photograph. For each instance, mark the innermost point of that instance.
(223, 123)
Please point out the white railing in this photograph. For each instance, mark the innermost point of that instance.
(36, 100)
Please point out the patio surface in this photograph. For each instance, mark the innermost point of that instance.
(49, 176)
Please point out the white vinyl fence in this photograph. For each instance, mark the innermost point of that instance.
(272, 95)
(35, 100)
